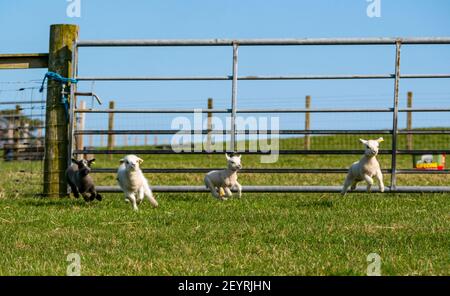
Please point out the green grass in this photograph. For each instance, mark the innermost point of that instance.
(194, 234)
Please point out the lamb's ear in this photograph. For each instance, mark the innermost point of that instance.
(379, 140)
(363, 141)
(226, 155)
(74, 160)
(140, 160)
(92, 161)
(122, 160)
(240, 156)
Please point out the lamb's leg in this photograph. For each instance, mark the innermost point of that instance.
(95, 195)
(92, 194)
(74, 189)
(379, 177)
(148, 192)
(228, 192)
(239, 189)
(353, 185)
(211, 187)
(222, 193)
(86, 196)
(348, 181)
(132, 198)
(140, 195)
(369, 181)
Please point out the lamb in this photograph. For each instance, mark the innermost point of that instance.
(80, 181)
(366, 168)
(220, 182)
(132, 181)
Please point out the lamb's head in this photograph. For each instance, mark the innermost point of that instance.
(371, 146)
(84, 166)
(131, 162)
(234, 162)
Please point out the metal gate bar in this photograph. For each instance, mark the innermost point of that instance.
(386, 110)
(296, 77)
(264, 42)
(266, 171)
(286, 189)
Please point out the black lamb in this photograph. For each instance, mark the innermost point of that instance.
(80, 181)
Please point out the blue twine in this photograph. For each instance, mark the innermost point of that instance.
(58, 78)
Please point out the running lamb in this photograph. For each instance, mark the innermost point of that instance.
(366, 168)
(132, 181)
(80, 181)
(220, 182)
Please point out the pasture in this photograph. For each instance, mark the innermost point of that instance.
(260, 234)
(211, 77)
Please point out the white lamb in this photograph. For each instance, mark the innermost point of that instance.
(132, 181)
(366, 168)
(220, 182)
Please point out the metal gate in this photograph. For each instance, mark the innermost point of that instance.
(394, 132)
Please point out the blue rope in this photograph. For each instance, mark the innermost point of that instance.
(58, 78)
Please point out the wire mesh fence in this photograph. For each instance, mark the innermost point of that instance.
(22, 137)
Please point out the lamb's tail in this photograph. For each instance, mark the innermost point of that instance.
(148, 192)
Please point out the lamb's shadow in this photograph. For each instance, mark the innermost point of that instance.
(59, 203)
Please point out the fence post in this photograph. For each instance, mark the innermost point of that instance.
(307, 122)
(409, 137)
(111, 127)
(62, 39)
(209, 122)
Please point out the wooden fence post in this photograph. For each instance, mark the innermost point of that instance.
(307, 122)
(209, 122)
(111, 140)
(10, 134)
(409, 137)
(62, 39)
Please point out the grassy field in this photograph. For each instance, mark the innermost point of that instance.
(194, 234)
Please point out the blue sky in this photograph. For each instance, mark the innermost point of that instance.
(24, 27)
